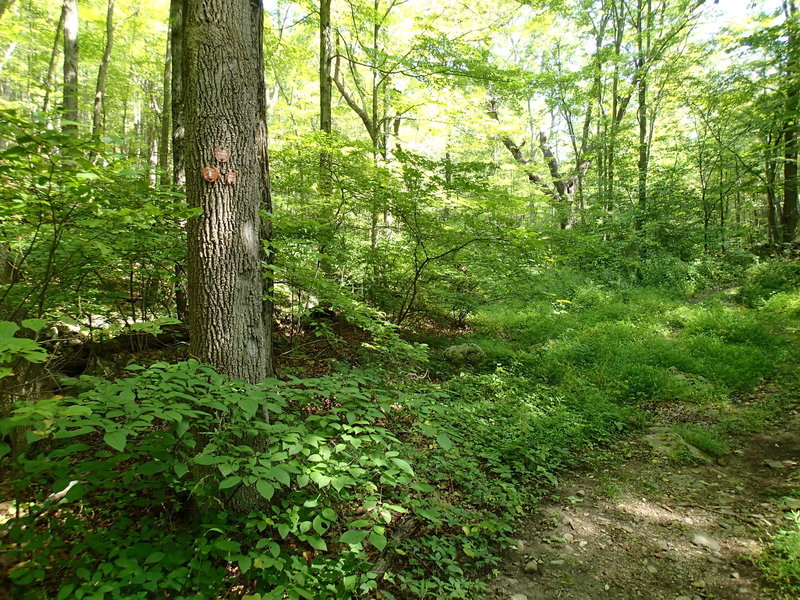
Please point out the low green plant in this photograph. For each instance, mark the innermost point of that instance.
(704, 439)
(781, 561)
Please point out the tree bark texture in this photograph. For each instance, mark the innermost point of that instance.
(224, 107)
(102, 72)
(70, 113)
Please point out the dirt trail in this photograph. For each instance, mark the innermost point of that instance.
(646, 527)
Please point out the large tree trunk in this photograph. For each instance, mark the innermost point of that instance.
(224, 107)
(70, 112)
(102, 73)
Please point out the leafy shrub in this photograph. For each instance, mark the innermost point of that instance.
(767, 279)
(175, 484)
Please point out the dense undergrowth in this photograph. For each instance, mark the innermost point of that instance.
(377, 480)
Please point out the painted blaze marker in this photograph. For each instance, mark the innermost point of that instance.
(210, 174)
(222, 154)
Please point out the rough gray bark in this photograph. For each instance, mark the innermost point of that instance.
(70, 101)
(224, 106)
(102, 72)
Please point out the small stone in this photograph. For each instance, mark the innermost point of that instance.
(735, 575)
(583, 543)
(706, 541)
(557, 562)
(569, 537)
(519, 597)
(532, 567)
(652, 569)
(699, 584)
(715, 560)
(774, 464)
(683, 598)
(520, 546)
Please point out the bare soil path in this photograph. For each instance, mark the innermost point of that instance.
(646, 526)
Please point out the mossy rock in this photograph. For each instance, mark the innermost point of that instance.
(464, 354)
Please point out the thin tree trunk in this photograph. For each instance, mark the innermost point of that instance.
(790, 130)
(102, 73)
(51, 66)
(177, 9)
(326, 127)
(325, 58)
(643, 32)
(165, 177)
(229, 321)
(70, 100)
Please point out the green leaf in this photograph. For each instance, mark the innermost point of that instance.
(229, 482)
(154, 557)
(428, 513)
(8, 329)
(423, 487)
(353, 536)
(245, 562)
(180, 469)
(34, 324)
(205, 460)
(65, 592)
(283, 530)
(445, 442)
(403, 465)
(227, 545)
(281, 476)
(317, 543)
(265, 488)
(116, 439)
(377, 540)
(4, 449)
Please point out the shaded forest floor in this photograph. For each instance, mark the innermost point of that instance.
(640, 524)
